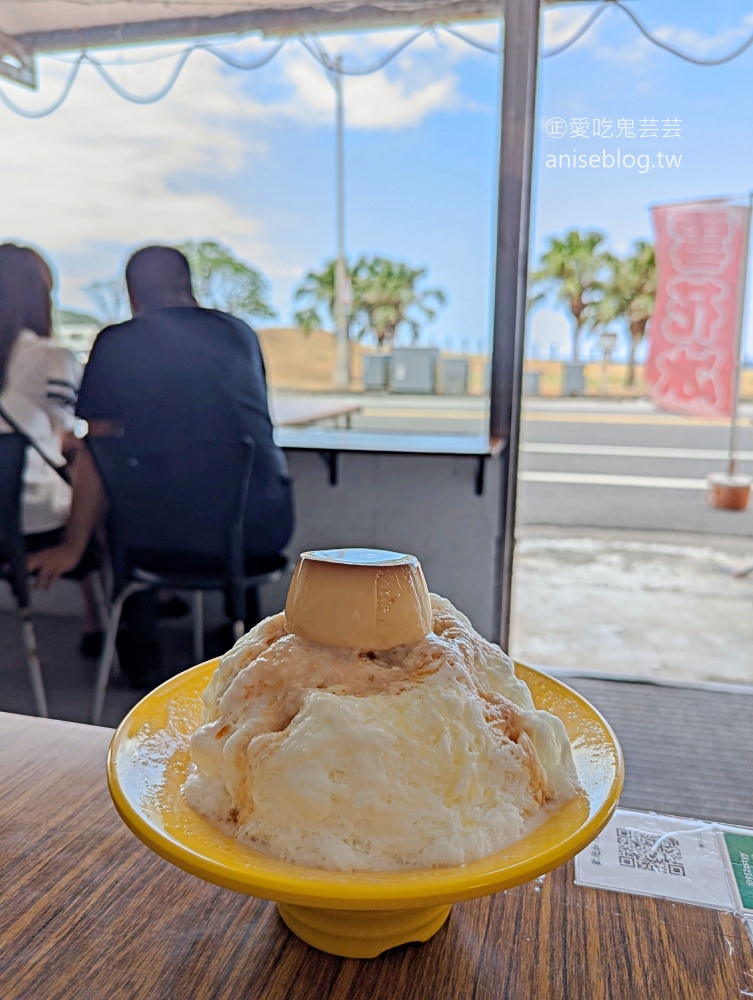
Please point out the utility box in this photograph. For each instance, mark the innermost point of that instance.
(376, 372)
(531, 383)
(414, 370)
(573, 380)
(486, 386)
(453, 376)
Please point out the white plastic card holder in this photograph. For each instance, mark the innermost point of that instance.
(666, 857)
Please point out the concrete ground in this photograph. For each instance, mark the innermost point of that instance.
(634, 604)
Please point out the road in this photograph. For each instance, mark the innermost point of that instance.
(636, 470)
(587, 463)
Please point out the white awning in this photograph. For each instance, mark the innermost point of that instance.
(44, 25)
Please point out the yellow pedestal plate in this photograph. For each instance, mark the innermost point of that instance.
(354, 914)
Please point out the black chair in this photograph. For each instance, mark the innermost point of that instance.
(176, 521)
(13, 557)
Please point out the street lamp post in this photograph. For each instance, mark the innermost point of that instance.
(342, 362)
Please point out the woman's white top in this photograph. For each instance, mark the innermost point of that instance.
(41, 384)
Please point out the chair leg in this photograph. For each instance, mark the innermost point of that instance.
(198, 626)
(239, 627)
(32, 659)
(108, 653)
(100, 601)
(98, 582)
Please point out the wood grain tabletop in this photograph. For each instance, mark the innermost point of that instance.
(87, 913)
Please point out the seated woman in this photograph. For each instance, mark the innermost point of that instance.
(39, 380)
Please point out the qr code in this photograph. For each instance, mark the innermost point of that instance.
(649, 851)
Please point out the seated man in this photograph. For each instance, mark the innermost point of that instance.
(172, 375)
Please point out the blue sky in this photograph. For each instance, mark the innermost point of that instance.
(248, 157)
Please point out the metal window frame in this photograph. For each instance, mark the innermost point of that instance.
(519, 70)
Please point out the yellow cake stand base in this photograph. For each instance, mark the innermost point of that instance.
(362, 933)
(353, 914)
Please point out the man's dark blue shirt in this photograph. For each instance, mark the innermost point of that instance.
(179, 375)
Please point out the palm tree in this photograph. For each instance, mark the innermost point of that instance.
(317, 293)
(573, 269)
(389, 297)
(631, 292)
(384, 295)
(606, 304)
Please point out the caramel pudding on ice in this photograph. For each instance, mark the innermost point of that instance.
(344, 756)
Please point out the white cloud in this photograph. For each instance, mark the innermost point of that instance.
(101, 175)
(101, 172)
(363, 48)
(560, 24)
(637, 52)
(416, 84)
(698, 44)
(379, 101)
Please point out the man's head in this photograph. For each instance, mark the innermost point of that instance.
(158, 277)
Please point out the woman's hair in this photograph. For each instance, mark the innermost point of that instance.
(25, 298)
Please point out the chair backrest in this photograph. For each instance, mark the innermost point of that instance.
(12, 460)
(189, 498)
(12, 548)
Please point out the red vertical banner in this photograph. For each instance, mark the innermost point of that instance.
(694, 335)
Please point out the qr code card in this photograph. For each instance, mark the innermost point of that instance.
(651, 855)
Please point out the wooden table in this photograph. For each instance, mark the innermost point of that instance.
(88, 913)
(307, 412)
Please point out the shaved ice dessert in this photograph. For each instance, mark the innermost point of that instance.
(353, 758)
